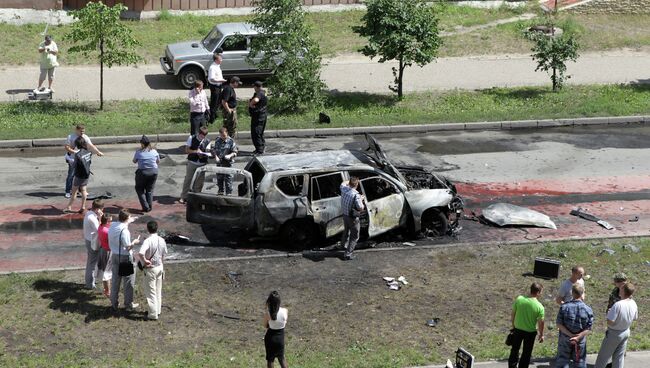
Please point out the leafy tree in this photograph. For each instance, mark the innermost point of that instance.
(552, 53)
(402, 30)
(284, 35)
(99, 32)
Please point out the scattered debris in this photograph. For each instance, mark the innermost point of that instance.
(388, 279)
(608, 251)
(409, 244)
(586, 277)
(393, 285)
(449, 364)
(647, 263)
(349, 304)
(433, 322)
(503, 214)
(632, 248)
(106, 195)
(589, 217)
(402, 279)
(634, 219)
(175, 238)
(233, 276)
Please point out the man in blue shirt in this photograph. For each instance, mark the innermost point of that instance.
(351, 205)
(224, 150)
(574, 321)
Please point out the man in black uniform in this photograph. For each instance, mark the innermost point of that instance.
(197, 151)
(257, 109)
(229, 105)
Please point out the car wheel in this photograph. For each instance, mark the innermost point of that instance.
(298, 234)
(189, 75)
(434, 223)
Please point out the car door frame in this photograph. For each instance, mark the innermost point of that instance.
(385, 213)
(242, 66)
(204, 208)
(326, 212)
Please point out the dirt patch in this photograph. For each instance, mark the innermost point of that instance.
(339, 312)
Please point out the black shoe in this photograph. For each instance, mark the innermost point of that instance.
(349, 257)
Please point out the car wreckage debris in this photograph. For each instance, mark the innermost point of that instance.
(587, 216)
(504, 214)
(394, 284)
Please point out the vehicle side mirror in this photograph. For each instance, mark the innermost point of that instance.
(195, 45)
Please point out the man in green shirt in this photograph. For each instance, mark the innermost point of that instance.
(527, 320)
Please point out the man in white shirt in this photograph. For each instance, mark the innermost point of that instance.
(48, 51)
(564, 294)
(619, 320)
(90, 226)
(70, 150)
(151, 255)
(199, 107)
(119, 240)
(215, 80)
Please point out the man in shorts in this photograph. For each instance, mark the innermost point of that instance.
(48, 51)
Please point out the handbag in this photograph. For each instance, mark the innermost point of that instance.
(510, 338)
(124, 268)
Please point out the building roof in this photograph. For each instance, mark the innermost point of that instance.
(315, 160)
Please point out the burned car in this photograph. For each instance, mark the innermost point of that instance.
(297, 196)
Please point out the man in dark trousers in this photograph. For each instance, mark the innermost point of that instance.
(352, 206)
(197, 151)
(257, 109)
(527, 322)
(215, 80)
(574, 322)
(229, 105)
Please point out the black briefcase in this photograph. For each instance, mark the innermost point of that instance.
(546, 268)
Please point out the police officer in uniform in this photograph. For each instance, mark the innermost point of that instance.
(257, 109)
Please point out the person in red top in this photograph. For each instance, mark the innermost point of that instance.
(103, 264)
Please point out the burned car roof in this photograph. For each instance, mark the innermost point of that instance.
(315, 160)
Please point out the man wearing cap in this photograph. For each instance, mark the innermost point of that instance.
(619, 280)
(257, 110)
(215, 79)
(147, 159)
(197, 156)
(48, 51)
(229, 105)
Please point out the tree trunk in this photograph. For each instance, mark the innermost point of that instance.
(101, 74)
(400, 76)
(554, 80)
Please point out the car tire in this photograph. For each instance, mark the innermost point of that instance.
(434, 223)
(298, 234)
(189, 75)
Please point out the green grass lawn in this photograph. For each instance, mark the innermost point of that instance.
(30, 120)
(340, 315)
(333, 31)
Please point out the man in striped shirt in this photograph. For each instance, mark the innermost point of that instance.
(352, 205)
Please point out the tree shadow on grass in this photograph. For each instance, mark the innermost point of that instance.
(49, 108)
(354, 100)
(517, 94)
(68, 297)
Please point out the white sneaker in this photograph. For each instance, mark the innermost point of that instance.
(68, 195)
(133, 306)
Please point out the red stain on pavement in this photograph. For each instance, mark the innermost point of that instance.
(41, 236)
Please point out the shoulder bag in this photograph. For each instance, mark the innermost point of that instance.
(125, 268)
(140, 265)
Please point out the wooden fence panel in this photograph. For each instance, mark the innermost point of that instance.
(148, 5)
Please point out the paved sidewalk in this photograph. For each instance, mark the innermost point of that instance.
(350, 73)
(636, 359)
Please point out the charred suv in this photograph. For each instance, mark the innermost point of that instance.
(297, 196)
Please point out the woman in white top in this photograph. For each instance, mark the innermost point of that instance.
(275, 318)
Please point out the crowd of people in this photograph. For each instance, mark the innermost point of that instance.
(574, 321)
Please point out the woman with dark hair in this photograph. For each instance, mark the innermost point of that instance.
(275, 319)
(82, 160)
(147, 159)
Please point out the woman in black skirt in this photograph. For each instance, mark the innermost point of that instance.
(275, 319)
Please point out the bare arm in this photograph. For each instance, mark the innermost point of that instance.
(266, 320)
(512, 319)
(540, 330)
(565, 331)
(559, 300)
(95, 150)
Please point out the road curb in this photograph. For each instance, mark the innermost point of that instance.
(384, 129)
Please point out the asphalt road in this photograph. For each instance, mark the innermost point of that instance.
(351, 73)
(603, 169)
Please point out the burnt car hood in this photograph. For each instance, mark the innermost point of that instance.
(384, 163)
